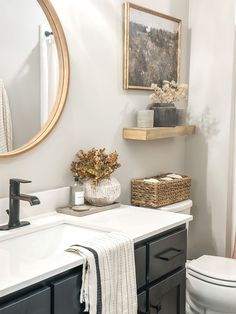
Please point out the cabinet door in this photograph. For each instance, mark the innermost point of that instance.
(66, 295)
(142, 303)
(37, 302)
(168, 296)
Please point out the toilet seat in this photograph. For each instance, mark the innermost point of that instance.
(211, 285)
(214, 269)
(213, 281)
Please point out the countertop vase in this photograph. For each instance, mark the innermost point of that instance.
(165, 114)
(106, 192)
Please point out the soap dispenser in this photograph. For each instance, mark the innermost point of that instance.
(77, 193)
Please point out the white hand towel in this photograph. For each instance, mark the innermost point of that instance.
(109, 281)
(5, 121)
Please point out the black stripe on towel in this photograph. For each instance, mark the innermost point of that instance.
(99, 285)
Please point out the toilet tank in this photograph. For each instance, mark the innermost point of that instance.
(183, 207)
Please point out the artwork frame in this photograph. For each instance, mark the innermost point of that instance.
(130, 81)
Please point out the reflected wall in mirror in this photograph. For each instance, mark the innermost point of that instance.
(34, 71)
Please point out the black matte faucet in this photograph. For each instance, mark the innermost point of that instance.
(14, 204)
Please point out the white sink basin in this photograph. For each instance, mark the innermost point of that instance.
(46, 243)
(37, 252)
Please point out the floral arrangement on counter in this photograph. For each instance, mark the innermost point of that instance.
(169, 92)
(95, 165)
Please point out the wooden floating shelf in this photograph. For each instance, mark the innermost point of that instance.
(143, 134)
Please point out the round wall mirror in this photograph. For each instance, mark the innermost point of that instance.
(34, 73)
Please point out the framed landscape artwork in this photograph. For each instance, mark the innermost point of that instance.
(151, 48)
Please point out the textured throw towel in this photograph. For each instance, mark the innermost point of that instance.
(5, 121)
(109, 281)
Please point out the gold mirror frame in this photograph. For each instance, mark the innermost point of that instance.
(64, 76)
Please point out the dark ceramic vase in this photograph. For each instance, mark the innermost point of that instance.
(165, 115)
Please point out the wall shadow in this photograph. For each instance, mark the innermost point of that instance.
(201, 238)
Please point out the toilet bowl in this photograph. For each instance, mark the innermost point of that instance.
(211, 280)
(211, 285)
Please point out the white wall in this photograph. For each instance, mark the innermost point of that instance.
(20, 64)
(210, 102)
(98, 108)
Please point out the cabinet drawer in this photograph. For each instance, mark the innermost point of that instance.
(168, 297)
(167, 254)
(140, 265)
(37, 302)
(66, 294)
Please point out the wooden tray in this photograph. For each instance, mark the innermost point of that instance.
(92, 210)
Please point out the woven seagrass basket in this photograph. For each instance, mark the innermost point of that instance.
(158, 194)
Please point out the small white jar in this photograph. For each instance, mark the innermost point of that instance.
(145, 118)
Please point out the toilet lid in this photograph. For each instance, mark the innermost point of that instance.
(218, 270)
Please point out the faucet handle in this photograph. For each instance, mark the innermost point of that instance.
(19, 181)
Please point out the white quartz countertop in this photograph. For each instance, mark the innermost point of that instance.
(137, 222)
(19, 268)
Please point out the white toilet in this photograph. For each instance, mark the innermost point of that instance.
(211, 280)
(211, 285)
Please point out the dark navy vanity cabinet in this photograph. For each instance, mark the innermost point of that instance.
(35, 302)
(160, 271)
(59, 295)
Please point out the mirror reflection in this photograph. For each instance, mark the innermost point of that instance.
(29, 72)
